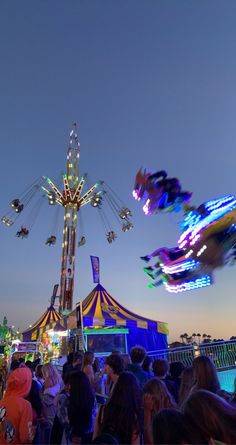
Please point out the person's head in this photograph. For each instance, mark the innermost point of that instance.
(137, 354)
(29, 365)
(161, 398)
(22, 360)
(169, 427)
(14, 365)
(187, 381)
(36, 362)
(114, 365)
(81, 400)
(51, 376)
(96, 365)
(70, 358)
(39, 372)
(147, 364)
(77, 360)
(205, 374)
(160, 367)
(210, 417)
(19, 382)
(88, 358)
(122, 412)
(126, 360)
(176, 369)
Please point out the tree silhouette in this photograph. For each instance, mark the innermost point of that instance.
(182, 337)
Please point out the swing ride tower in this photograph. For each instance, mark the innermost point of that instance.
(72, 197)
(72, 200)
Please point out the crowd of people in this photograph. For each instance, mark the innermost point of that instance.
(131, 399)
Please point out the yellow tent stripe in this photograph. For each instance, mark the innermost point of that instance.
(111, 314)
(98, 309)
(86, 311)
(126, 314)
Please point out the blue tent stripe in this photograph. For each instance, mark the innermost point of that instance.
(110, 312)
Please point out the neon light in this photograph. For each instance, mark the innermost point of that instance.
(180, 267)
(202, 222)
(190, 285)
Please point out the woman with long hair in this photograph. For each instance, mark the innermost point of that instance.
(205, 374)
(169, 427)
(121, 416)
(156, 397)
(187, 381)
(52, 380)
(51, 388)
(81, 407)
(210, 417)
(87, 366)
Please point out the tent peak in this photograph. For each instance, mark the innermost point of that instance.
(99, 287)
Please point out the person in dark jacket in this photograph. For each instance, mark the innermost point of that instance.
(81, 408)
(161, 368)
(137, 355)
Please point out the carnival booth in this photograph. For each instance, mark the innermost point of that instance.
(109, 326)
(50, 330)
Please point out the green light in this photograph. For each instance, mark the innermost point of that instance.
(146, 271)
(150, 285)
(99, 331)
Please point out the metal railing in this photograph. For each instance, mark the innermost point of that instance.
(223, 354)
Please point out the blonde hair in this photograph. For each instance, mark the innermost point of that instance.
(160, 394)
(51, 375)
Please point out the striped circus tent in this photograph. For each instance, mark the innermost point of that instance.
(51, 319)
(100, 309)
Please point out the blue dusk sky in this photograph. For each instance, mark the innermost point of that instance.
(150, 83)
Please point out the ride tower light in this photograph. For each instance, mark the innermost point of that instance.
(72, 200)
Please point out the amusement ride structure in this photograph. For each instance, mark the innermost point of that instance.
(71, 198)
(208, 233)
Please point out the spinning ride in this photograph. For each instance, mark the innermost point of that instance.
(207, 242)
(72, 198)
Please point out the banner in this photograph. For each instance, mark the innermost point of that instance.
(80, 346)
(79, 315)
(96, 268)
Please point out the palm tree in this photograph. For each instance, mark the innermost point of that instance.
(199, 337)
(189, 340)
(209, 338)
(194, 337)
(185, 336)
(182, 337)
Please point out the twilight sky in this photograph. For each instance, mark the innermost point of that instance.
(150, 83)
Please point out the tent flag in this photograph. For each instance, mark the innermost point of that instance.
(96, 268)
